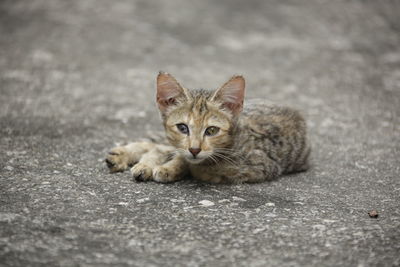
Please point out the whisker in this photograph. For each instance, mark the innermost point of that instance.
(213, 159)
(231, 152)
(226, 158)
(227, 150)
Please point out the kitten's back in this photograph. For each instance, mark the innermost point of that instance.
(281, 131)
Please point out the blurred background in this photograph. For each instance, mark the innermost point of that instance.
(97, 60)
(78, 77)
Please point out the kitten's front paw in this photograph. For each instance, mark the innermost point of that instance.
(164, 175)
(141, 172)
(117, 159)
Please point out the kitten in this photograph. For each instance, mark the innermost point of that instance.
(214, 139)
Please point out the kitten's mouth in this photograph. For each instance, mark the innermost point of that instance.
(192, 160)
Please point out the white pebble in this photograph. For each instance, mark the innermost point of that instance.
(9, 168)
(238, 198)
(142, 200)
(8, 217)
(206, 203)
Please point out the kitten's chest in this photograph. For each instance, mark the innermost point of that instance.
(218, 173)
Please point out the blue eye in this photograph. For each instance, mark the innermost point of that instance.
(183, 128)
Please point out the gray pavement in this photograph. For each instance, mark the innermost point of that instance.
(78, 77)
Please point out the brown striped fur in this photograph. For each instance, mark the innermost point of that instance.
(256, 143)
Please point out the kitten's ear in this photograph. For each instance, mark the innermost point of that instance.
(168, 90)
(231, 94)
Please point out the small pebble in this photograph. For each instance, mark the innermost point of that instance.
(238, 199)
(206, 203)
(373, 214)
(142, 200)
(9, 168)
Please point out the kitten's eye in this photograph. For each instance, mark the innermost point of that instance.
(183, 128)
(212, 130)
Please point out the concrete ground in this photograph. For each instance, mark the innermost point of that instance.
(77, 77)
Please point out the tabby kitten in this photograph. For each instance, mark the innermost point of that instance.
(214, 139)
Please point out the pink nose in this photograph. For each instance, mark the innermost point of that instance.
(194, 151)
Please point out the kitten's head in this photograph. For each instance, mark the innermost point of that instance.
(200, 123)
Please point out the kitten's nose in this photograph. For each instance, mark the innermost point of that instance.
(194, 151)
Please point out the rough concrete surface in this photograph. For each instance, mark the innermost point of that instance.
(77, 77)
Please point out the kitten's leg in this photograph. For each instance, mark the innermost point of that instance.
(158, 155)
(121, 158)
(171, 171)
(211, 174)
(303, 163)
(256, 174)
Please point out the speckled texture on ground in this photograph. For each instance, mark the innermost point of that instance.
(76, 77)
